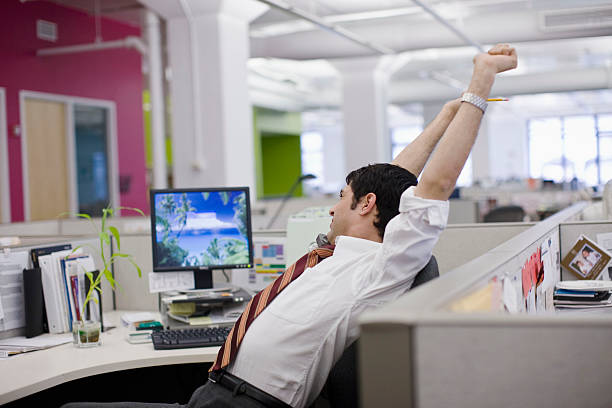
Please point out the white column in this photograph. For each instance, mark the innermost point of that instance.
(364, 105)
(156, 88)
(212, 124)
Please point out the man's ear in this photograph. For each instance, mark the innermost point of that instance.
(368, 204)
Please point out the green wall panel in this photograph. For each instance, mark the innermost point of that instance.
(281, 164)
(277, 151)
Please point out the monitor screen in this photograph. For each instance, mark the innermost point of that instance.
(205, 228)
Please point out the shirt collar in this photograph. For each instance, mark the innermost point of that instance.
(350, 245)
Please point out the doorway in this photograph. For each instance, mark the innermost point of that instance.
(69, 155)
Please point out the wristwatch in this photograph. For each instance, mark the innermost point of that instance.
(475, 100)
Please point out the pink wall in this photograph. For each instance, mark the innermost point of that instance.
(113, 75)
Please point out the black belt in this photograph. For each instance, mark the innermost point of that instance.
(240, 387)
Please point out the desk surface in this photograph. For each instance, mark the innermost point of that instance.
(38, 370)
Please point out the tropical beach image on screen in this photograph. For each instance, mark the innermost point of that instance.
(201, 229)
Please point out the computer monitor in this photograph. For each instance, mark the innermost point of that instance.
(201, 229)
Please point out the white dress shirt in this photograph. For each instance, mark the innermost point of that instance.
(292, 345)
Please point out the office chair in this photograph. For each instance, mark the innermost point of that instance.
(341, 389)
(507, 213)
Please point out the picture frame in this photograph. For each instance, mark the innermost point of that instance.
(586, 259)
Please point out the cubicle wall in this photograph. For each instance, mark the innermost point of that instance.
(458, 244)
(419, 353)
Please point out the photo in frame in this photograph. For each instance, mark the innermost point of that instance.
(586, 259)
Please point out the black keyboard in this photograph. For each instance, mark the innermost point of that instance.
(185, 338)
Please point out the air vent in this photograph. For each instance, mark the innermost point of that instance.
(576, 19)
(46, 30)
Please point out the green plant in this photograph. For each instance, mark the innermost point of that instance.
(104, 235)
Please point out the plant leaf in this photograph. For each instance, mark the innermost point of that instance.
(138, 210)
(109, 278)
(119, 255)
(115, 233)
(104, 237)
(135, 266)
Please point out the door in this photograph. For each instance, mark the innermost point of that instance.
(46, 159)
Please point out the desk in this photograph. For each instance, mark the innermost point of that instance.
(29, 373)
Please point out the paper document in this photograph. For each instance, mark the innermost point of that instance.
(165, 281)
(511, 298)
(485, 299)
(20, 344)
(551, 274)
(12, 310)
(132, 318)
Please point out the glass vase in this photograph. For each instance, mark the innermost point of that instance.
(86, 334)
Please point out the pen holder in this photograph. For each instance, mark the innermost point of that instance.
(86, 334)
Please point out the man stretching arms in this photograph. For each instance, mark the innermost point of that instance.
(289, 349)
(383, 232)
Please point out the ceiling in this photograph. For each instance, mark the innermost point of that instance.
(294, 54)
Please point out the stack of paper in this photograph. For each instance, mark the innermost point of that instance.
(586, 294)
(17, 345)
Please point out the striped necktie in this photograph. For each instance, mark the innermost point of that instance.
(259, 302)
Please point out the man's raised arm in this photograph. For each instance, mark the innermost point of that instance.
(414, 156)
(442, 171)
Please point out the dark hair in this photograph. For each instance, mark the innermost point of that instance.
(388, 182)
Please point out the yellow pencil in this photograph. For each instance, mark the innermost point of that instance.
(497, 99)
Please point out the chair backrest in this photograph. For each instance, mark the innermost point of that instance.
(341, 387)
(507, 213)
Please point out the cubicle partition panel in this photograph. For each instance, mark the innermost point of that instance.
(133, 292)
(470, 361)
(446, 343)
(461, 243)
(46, 228)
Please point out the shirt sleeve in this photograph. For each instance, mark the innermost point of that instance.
(407, 246)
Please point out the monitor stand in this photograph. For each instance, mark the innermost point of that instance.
(202, 279)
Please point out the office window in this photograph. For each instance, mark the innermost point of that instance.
(402, 136)
(467, 176)
(604, 127)
(561, 148)
(312, 156)
(91, 145)
(545, 149)
(580, 148)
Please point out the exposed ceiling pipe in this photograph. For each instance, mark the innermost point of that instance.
(447, 79)
(448, 25)
(331, 28)
(128, 42)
